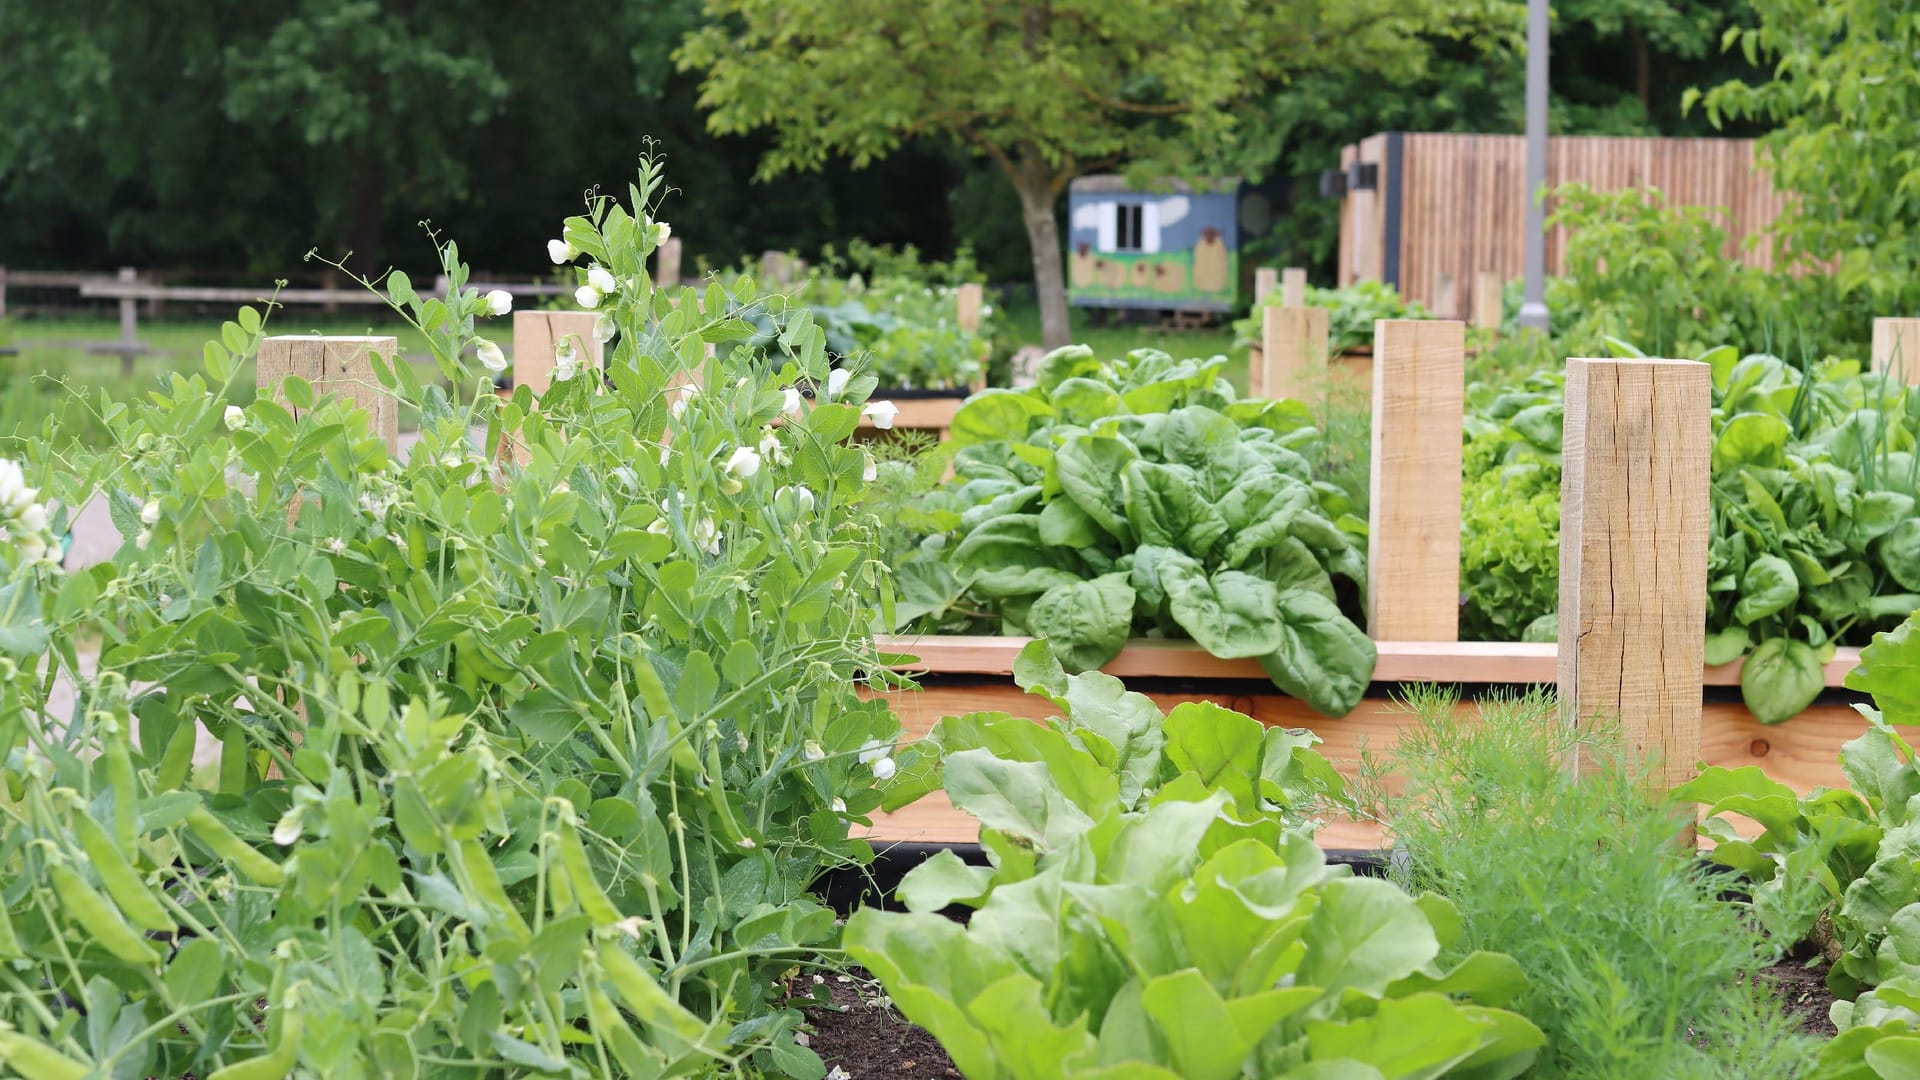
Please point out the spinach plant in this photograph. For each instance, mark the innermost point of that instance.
(472, 764)
(1139, 496)
(1351, 313)
(1152, 911)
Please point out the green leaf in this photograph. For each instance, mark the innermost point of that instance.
(1016, 797)
(1421, 1035)
(1090, 469)
(1082, 401)
(1895, 1058)
(1365, 934)
(1233, 614)
(1890, 670)
(1323, 658)
(1259, 513)
(1166, 508)
(1221, 746)
(944, 880)
(1087, 621)
(1749, 439)
(1768, 588)
(1008, 558)
(1780, 679)
(996, 414)
(1900, 553)
(1064, 524)
(1726, 646)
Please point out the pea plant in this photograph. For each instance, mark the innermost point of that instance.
(478, 763)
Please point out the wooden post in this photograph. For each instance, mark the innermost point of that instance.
(1413, 532)
(536, 341)
(1293, 287)
(334, 365)
(3, 292)
(779, 268)
(970, 298)
(1446, 297)
(1487, 290)
(1896, 349)
(1634, 523)
(129, 324)
(666, 272)
(1265, 280)
(1293, 353)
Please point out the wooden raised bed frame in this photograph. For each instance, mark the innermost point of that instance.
(1636, 639)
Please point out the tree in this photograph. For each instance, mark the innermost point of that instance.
(1045, 89)
(1845, 91)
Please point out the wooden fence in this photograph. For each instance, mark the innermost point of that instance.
(1429, 213)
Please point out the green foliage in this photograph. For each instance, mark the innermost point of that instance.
(1843, 92)
(1139, 496)
(1152, 911)
(1510, 511)
(1351, 312)
(1635, 966)
(459, 766)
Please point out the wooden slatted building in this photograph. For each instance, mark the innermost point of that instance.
(1427, 213)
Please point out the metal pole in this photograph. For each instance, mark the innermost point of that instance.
(1533, 311)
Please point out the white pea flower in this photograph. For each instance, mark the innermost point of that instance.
(790, 402)
(33, 519)
(838, 1073)
(587, 297)
(452, 459)
(15, 495)
(666, 455)
(678, 408)
(141, 541)
(236, 417)
(773, 449)
(837, 381)
(747, 843)
(659, 527)
(707, 536)
(33, 548)
(627, 477)
(602, 279)
(881, 413)
(337, 546)
(744, 462)
(884, 769)
(873, 750)
(801, 497)
(631, 926)
(288, 830)
(150, 513)
(870, 471)
(491, 357)
(838, 806)
(604, 329)
(813, 752)
(662, 232)
(560, 251)
(566, 360)
(499, 302)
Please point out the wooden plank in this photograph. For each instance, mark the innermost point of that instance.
(334, 365)
(1635, 511)
(666, 263)
(536, 342)
(1803, 753)
(1265, 280)
(1293, 354)
(1896, 349)
(1293, 287)
(969, 299)
(1399, 661)
(1487, 290)
(1413, 539)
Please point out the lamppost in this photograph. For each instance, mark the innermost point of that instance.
(1533, 310)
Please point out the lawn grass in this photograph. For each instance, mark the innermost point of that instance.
(1020, 322)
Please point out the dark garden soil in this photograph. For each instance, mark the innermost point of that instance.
(862, 1034)
(1803, 994)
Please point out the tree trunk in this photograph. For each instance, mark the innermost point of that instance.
(1642, 70)
(368, 213)
(1049, 275)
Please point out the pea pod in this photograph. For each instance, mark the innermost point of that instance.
(233, 761)
(122, 882)
(177, 763)
(244, 856)
(9, 943)
(586, 887)
(652, 1004)
(126, 795)
(35, 1060)
(717, 797)
(278, 1062)
(485, 880)
(98, 918)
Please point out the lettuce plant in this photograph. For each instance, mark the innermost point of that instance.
(1152, 910)
(476, 764)
(1140, 497)
(1351, 313)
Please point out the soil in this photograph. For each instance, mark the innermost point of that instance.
(862, 1035)
(1803, 994)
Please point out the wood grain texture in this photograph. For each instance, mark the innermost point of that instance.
(1803, 753)
(1896, 349)
(1293, 287)
(1633, 551)
(1293, 354)
(1487, 289)
(968, 300)
(339, 366)
(921, 414)
(536, 341)
(1413, 541)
